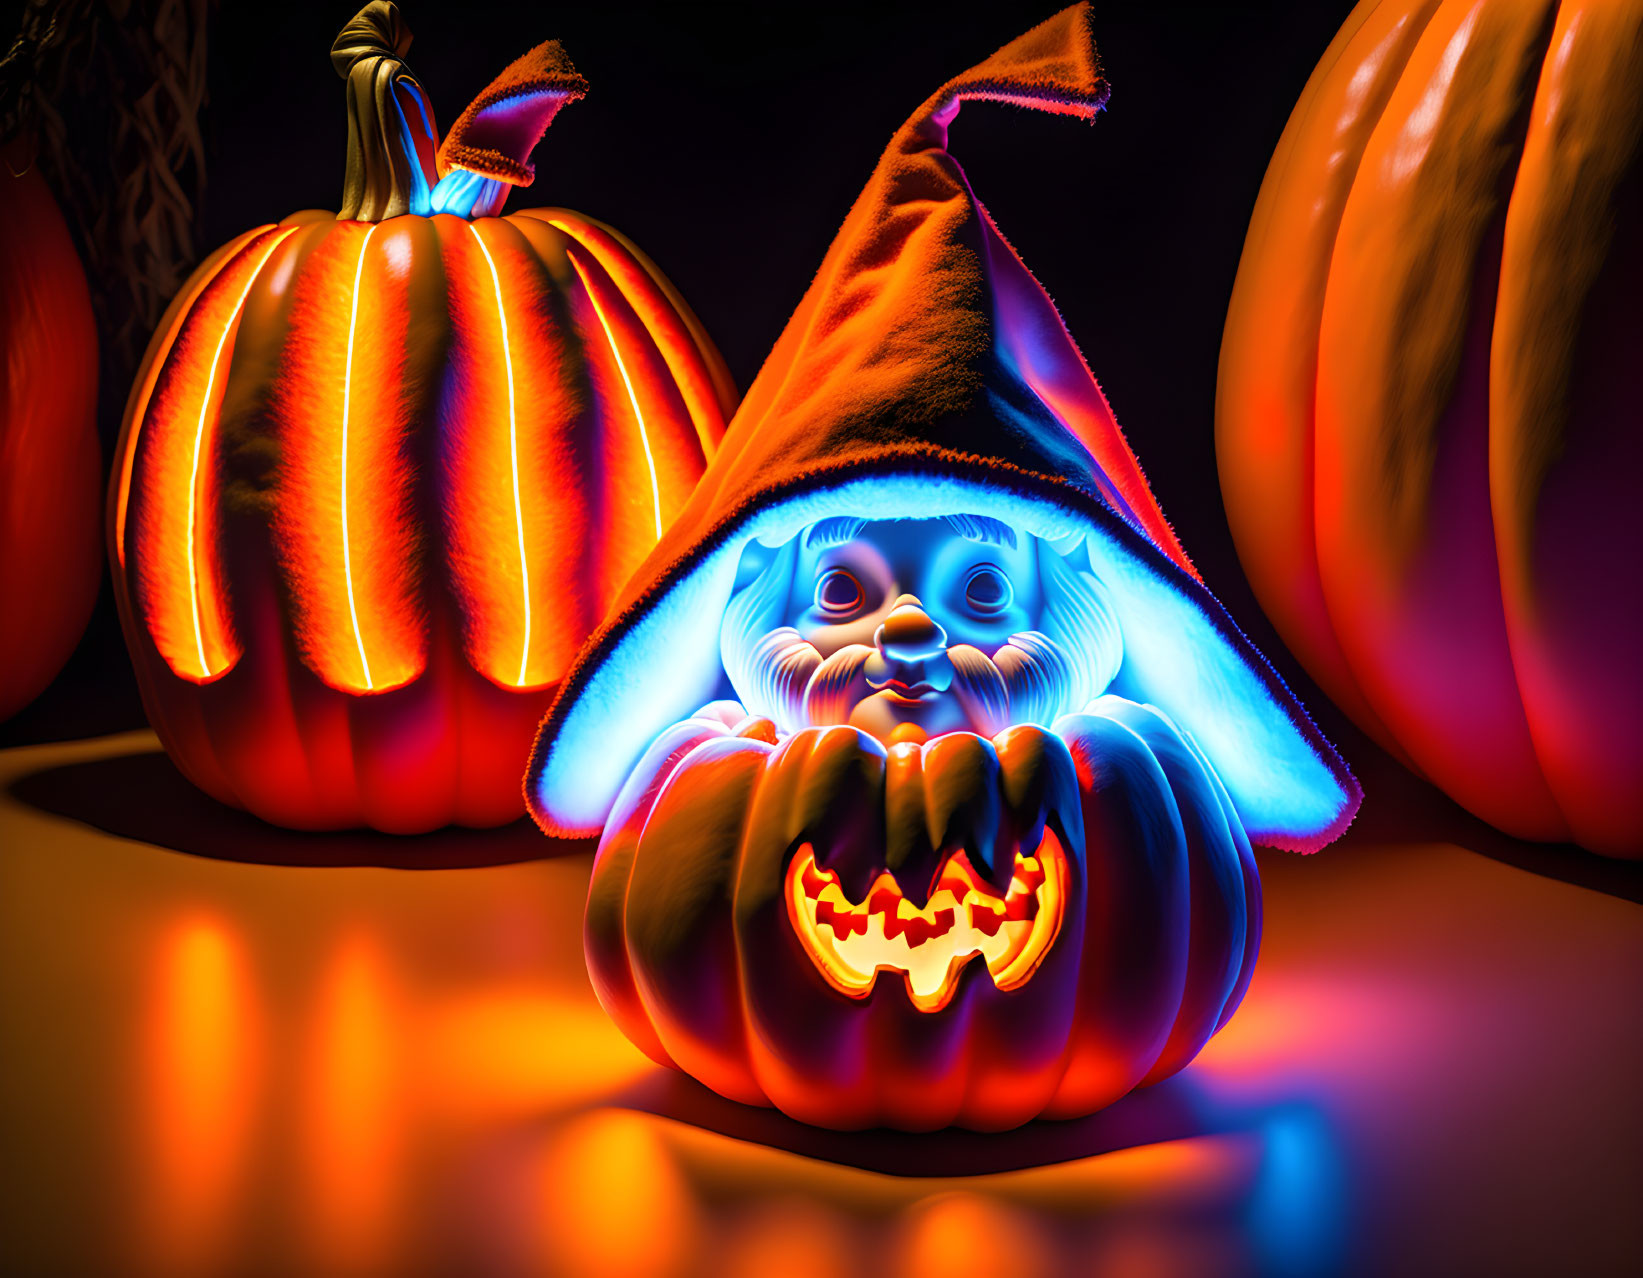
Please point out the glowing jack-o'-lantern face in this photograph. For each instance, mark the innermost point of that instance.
(965, 931)
(965, 918)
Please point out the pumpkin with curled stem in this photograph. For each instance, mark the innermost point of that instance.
(382, 471)
(966, 932)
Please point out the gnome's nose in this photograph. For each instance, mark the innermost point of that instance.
(909, 633)
(912, 648)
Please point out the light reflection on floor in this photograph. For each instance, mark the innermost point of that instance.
(200, 1079)
(218, 1067)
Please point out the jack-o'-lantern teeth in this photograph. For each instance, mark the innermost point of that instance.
(850, 942)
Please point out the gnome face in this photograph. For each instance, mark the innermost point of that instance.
(911, 628)
(977, 589)
(911, 591)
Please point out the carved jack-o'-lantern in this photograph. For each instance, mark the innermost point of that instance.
(964, 931)
(926, 766)
(382, 471)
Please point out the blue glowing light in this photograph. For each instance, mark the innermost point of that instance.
(1297, 1211)
(409, 134)
(462, 191)
(1182, 654)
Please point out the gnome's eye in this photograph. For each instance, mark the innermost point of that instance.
(988, 590)
(838, 591)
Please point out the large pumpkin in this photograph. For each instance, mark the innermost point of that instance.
(50, 463)
(382, 471)
(1428, 423)
(965, 932)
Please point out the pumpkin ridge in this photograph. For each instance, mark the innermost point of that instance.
(1402, 421)
(723, 395)
(703, 399)
(1428, 372)
(181, 592)
(751, 1057)
(1556, 399)
(142, 389)
(1251, 393)
(344, 520)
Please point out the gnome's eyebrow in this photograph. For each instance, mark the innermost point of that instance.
(833, 532)
(982, 528)
(842, 528)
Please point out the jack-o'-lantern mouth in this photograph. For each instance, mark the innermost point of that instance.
(851, 943)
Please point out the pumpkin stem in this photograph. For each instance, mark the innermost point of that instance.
(488, 148)
(391, 132)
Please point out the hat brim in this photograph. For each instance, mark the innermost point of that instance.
(658, 661)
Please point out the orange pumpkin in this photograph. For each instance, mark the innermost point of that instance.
(1427, 418)
(382, 471)
(1029, 925)
(50, 462)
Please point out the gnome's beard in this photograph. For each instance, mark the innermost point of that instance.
(1029, 680)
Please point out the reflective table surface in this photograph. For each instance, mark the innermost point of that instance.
(233, 1050)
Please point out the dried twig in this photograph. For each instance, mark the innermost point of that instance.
(111, 92)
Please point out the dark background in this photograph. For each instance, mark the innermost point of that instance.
(728, 141)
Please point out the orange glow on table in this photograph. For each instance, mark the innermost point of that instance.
(509, 1054)
(969, 1235)
(199, 1093)
(218, 1067)
(613, 1202)
(352, 1090)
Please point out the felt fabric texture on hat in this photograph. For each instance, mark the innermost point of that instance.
(926, 372)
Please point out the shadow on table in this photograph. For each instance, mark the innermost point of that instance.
(142, 796)
(1171, 1110)
(1400, 807)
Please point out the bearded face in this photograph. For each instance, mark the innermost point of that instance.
(911, 628)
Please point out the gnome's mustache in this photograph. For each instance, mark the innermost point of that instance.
(1029, 679)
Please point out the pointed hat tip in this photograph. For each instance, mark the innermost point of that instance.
(1054, 67)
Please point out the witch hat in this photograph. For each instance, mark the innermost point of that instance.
(927, 370)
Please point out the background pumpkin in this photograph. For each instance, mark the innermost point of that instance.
(382, 471)
(1427, 415)
(50, 462)
(692, 949)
